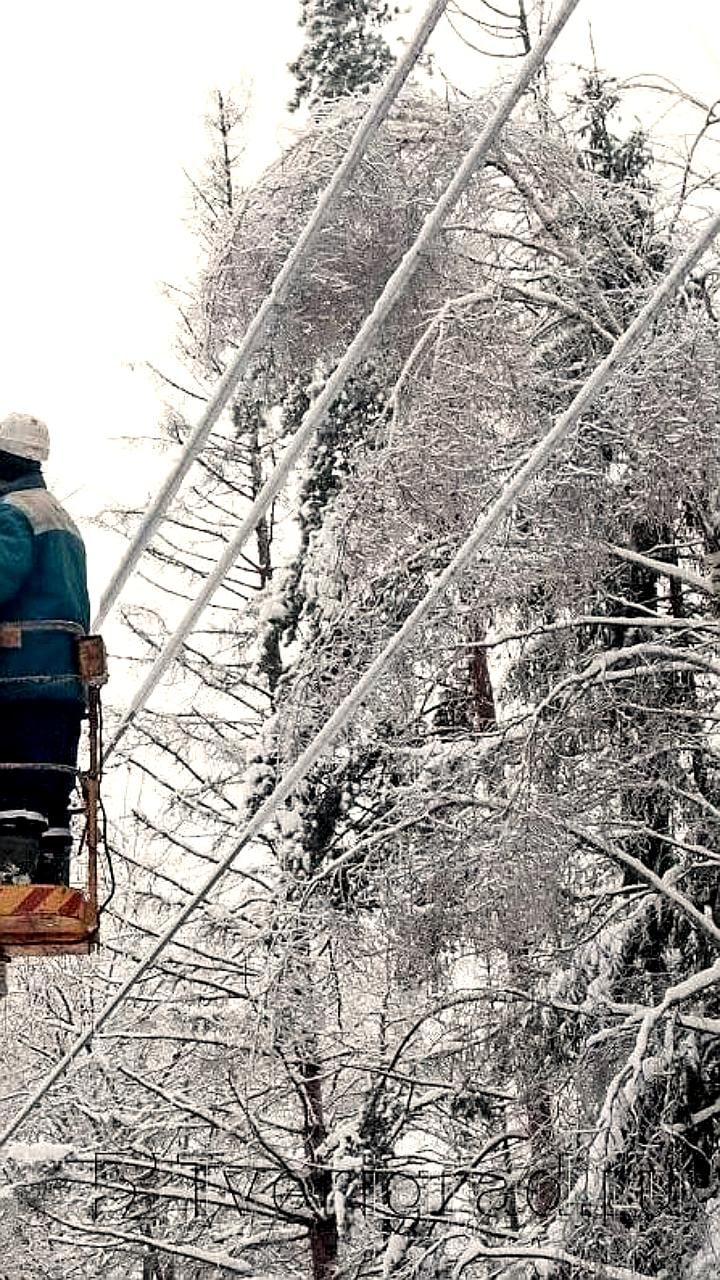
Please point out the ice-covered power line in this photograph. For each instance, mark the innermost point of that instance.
(485, 525)
(258, 327)
(391, 294)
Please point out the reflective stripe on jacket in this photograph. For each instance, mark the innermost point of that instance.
(43, 579)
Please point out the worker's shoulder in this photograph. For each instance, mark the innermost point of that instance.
(42, 510)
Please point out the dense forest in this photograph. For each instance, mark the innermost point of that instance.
(455, 1013)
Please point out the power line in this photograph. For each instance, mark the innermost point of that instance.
(364, 686)
(390, 295)
(260, 323)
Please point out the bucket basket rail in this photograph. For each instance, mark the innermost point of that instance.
(50, 920)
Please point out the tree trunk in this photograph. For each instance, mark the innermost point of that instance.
(323, 1232)
(481, 690)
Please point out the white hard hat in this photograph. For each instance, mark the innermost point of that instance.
(25, 436)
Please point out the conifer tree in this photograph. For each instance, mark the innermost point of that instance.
(344, 52)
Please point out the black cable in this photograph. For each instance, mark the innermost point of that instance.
(103, 811)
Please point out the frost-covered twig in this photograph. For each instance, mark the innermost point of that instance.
(599, 668)
(664, 568)
(661, 885)
(220, 1259)
(623, 1091)
(600, 1270)
(638, 622)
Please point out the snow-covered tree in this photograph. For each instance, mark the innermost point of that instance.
(541, 270)
(344, 51)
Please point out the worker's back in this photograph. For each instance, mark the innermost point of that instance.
(36, 531)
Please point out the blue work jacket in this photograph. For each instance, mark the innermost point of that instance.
(43, 594)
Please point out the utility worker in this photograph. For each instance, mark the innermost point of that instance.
(44, 607)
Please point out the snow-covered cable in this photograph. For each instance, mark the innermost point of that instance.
(360, 344)
(258, 327)
(344, 712)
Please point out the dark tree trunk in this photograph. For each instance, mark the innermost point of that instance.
(323, 1231)
(481, 690)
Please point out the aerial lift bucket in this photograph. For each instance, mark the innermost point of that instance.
(51, 920)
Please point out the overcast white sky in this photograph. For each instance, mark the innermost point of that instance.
(102, 108)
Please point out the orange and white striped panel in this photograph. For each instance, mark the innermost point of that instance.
(41, 899)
